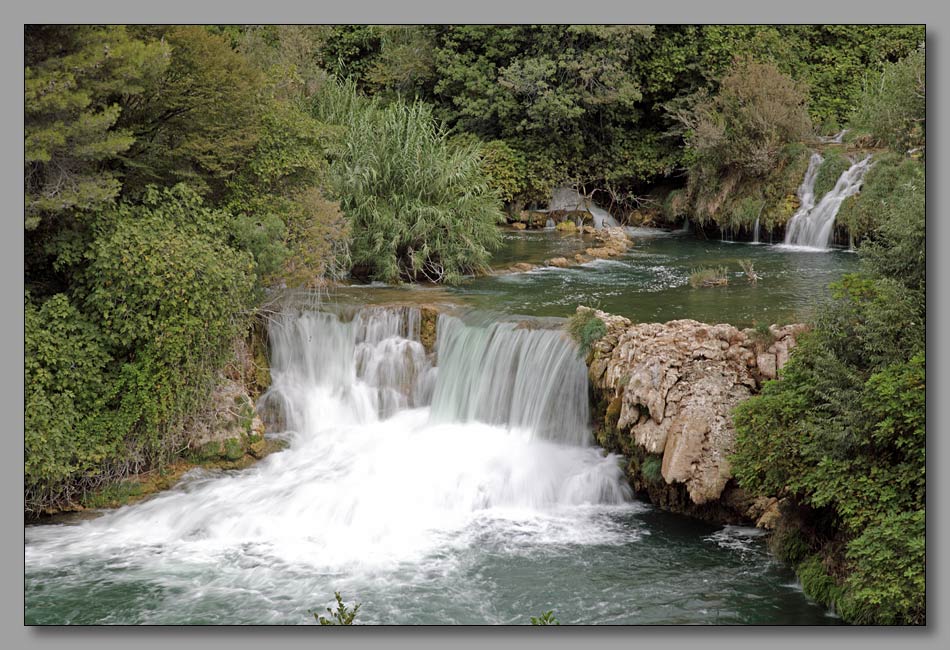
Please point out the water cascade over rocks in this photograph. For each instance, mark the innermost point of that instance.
(529, 379)
(568, 199)
(374, 478)
(811, 225)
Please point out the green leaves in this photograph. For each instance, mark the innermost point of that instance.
(546, 618)
(74, 79)
(893, 107)
(342, 615)
(419, 206)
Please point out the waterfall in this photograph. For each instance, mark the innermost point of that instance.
(568, 199)
(811, 226)
(837, 138)
(755, 231)
(602, 218)
(508, 374)
(374, 477)
(549, 224)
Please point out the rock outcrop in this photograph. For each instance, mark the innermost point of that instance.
(231, 427)
(669, 390)
(610, 242)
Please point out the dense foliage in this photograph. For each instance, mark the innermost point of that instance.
(420, 204)
(843, 432)
(894, 105)
(598, 105)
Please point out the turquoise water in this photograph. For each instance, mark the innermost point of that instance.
(443, 520)
(651, 282)
(638, 565)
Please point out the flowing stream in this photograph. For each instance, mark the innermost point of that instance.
(459, 485)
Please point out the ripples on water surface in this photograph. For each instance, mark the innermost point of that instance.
(651, 282)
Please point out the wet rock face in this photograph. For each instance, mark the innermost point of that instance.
(678, 383)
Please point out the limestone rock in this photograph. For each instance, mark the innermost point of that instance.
(519, 226)
(766, 364)
(560, 262)
(678, 383)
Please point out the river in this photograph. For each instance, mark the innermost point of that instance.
(459, 487)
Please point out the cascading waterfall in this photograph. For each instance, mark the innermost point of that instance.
(569, 199)
(806, 195)
(811, 226)
(549, 224)
(529, 379)
(373, 478)
(602, 218)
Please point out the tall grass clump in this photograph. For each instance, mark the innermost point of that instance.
(652, 468)
(420, 207)
(585, 328)
(708, 277)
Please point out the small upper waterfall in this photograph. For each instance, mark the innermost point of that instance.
(755, 231)
(568, 199)
(549, 224)
(811, 226)
(837, 138)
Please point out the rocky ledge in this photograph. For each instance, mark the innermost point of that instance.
(609, 242)
(665, 394)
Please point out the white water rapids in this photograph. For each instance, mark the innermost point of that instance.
(392, 462)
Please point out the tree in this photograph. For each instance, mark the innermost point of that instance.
(199, 120)
(75, 79)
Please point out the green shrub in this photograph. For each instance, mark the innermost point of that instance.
(546, 618)
(652, 468)
(168, 297)
(888, 583)
(757, 111)
(66, 373)
(585, 328)
(342, 615)
(893, 107)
